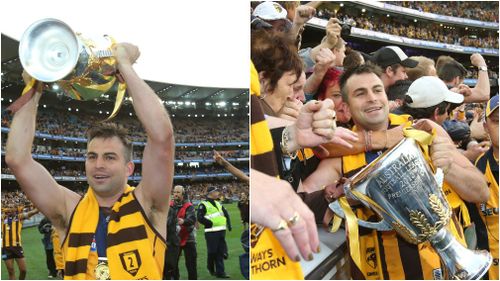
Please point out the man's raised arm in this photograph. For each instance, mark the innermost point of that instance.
(154, 189)
(53, 200)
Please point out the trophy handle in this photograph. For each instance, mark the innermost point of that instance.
(380, 226)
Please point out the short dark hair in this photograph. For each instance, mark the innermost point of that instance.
(398, 90)
(352, 59)
(394, 67)
(107, 130)
(419, 113)
(360, 69)
(273, 54)
(450, 70)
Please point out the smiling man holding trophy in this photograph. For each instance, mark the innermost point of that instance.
(418, 236)
(114, 231)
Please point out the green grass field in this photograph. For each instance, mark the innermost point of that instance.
(35, 254)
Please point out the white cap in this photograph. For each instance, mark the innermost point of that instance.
(429, 91)
(270, 11)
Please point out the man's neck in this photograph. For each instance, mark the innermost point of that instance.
(385, 81)
(495, 152)
(108, 201)
(375, 128)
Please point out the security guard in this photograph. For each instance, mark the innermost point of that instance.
(216, 219)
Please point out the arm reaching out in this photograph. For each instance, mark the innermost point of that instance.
(229, 167)
(53, 200)
(153, 192)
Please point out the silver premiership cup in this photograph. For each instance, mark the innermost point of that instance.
(401, 188)
(78, 67)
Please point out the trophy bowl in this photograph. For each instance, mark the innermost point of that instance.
(401, 188)
(72, 65)
(49, 50)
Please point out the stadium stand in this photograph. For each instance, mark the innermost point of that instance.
(427, 29)
(204, 119)
(420, 28)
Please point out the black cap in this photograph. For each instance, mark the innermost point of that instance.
(212, 189)
(458, 131)
(390, 55)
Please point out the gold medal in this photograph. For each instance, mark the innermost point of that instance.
(102, 270)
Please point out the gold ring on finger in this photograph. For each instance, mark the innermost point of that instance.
(281, 226)
(294, 219)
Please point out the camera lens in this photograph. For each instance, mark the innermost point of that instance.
(346, 30)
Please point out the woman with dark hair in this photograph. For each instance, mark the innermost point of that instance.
(279, 66)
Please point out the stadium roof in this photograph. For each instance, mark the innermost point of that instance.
(12, 69)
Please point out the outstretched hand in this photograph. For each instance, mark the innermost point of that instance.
(218, 158)
(333, 30)
(303, 13)
(126, 53)
(299, 233)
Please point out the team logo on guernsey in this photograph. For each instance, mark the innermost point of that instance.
(255, 231)
(437, 274)
(131, 261)
(371, 257)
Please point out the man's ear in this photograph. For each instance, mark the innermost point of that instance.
(130, 168)
(486, 127)
(389, 71)
(436, 113)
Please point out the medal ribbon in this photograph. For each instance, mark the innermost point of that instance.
(28, 92)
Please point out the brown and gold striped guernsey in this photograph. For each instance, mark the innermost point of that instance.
(268, 260)
(135, 250)
(11, 230)
(263, 157)
(485, 214)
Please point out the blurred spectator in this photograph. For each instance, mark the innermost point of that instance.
(352, 59)
(483, 10)
(394, 63)
(425, 67)
(396, 95)
(45, 228)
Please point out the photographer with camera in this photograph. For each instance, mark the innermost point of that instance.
(329, 53)
(45, 228)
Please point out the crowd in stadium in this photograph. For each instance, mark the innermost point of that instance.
(195, 191)
(486, 11)
(423, 31)
(417, 30)
(56, 149)
(14, 199)
(186, 130)
(377, 100)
